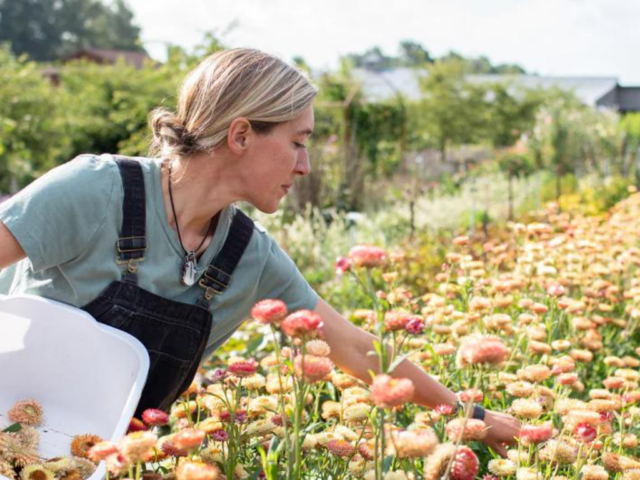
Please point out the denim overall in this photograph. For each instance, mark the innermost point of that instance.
(174, 333)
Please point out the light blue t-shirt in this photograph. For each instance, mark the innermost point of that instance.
(68, 222)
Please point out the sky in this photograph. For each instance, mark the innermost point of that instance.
(547, 37)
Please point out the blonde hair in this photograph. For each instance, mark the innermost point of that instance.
(229, 84)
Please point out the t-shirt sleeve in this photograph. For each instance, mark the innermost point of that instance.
(281, 279)
(55, 218)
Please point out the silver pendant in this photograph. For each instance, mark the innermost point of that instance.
(188, 274)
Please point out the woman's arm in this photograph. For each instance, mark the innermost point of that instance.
(10, 250)
(350, 346)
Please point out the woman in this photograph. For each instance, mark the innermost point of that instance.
(158, 249)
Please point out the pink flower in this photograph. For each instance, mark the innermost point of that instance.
(446, 409)
(241, 416)
(315, 368)
(473, 429)
(302, 323)
(396, 320)
(461, 241)
(471, 395)
(534, 434)
(243, 369)
(269, 311)
(466, 465)
(585, 432)
(415, 326)
(567, 378)
(220, 435)
(343, 264)
(340, 448)
(389, 392)
(481, 349)
(556, 290)
(368, 256)
(154, 417)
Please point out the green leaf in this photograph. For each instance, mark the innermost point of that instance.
(16, 427)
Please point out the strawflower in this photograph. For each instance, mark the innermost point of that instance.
(368, 256)
(302, 323)
(312, 368)
(155, 417)
(269, 311)
(387, 392)
(81, 444)
(27, 412)
(190, 470)
(481, 349)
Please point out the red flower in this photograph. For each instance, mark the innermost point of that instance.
(585, 432)
(154, 417)
(343, 264)
(415, 326)
(136, 425)
(243, 369)
(466, 465)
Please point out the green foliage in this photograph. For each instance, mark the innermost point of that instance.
(452, 111)
(512, 112)
(516, 163)
(50, 29)
(106, 107)
(572, 137)
(414, 54)
(31, 133)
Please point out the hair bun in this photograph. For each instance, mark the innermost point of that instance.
(169, 135)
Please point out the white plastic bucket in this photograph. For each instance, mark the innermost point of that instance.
(87, 376)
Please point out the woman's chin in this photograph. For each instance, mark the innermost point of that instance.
(268, 208)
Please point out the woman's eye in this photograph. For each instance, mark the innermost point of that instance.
(299, 145)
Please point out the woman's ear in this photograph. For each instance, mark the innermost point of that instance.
(240, 132)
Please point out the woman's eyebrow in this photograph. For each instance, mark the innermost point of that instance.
(306, 131)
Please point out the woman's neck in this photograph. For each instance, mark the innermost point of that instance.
(199, 194)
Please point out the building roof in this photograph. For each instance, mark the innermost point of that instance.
(386, 84)
(102, 55)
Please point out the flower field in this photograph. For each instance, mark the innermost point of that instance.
(540, 322)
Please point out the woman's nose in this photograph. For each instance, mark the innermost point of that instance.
(303, 166)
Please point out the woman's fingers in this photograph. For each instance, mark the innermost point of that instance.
(498, 447)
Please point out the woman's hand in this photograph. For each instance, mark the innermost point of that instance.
(502, 429)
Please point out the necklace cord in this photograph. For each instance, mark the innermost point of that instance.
(175, 217)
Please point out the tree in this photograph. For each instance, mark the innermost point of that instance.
(413, 54)
(452, 111)
(32, 136)
(49, 29)
(516, 162)
(512, 112)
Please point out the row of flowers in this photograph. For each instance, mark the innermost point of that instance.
(540, 323)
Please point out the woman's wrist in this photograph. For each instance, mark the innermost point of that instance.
(477, 412)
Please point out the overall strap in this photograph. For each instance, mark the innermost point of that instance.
(217, 277)
(132, 244)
